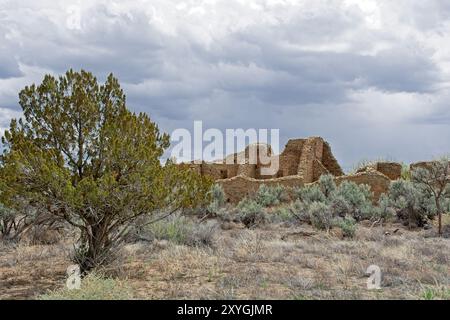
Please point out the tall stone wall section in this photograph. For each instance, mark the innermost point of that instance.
(289, 159)
(330, 162)
(312, 151)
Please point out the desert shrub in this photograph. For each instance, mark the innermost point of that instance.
(356, 199)
(217, 198)
(347, 225)
(202, 234)
(174, 228)
(327, 185)
(250, 212)
(384, 209)
(409, 202)
(309, 194)
(321, 216)
(300, 211)
(347, 199)
(182, 230)
(93, 287)
(282, 214)
(319, 203)
(268, 196)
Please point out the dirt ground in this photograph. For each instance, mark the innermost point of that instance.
(270, 262)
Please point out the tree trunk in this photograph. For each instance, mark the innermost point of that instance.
(97, 246)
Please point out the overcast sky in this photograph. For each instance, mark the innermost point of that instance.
(371, 77)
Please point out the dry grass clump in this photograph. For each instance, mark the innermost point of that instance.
(93, 287)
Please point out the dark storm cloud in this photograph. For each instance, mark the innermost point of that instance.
(323, 68)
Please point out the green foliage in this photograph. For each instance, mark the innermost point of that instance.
(182, 230)
(432, 293)
(81, 155)
(409, 202)
(310, 194)
(270, 196)
(385, 210)
(93, 287)
(321, 216)
(355, 199)
(322, 202)
(250, 212)
(347, 225)
(217, 198)
(327, 185)
(282, 214)
(434, 181)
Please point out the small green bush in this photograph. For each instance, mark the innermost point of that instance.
(347, 225)
(250, 212)
(321, 216)
(327, 185)
(309, 194)
(217, 199)
(300, 211)
(270, 196)
(93, 287)
(357, 199)
(182, 230)
(320, 203)
(282, 214)
(409, 203)
(384, 209)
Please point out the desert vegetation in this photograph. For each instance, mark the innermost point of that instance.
(81, 182)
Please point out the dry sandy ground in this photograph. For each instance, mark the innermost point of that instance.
(271, 262)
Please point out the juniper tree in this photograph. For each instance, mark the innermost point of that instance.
(82, 156)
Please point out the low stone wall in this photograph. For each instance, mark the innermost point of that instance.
(424, 165)
(392, 170)
(237, 188)
(378, 182)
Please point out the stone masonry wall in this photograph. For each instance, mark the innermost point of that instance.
(330, 162)
(392, 170)
(378, 182)
(239, 187)
(302, 161)
(312, 150)
(290, 157)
